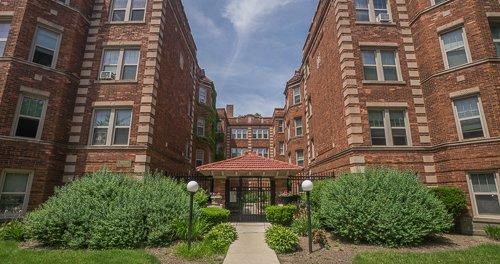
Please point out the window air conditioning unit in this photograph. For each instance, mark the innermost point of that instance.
(383, 17)
(107, 75)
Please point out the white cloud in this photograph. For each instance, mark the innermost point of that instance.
(247, 15)
(210, 27)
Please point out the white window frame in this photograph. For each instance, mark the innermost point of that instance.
(18, 115)
(26, 193)
(298, 127)
(379, 66)
(238, 151)
(433, 2)
(296, 96)
(121, 64)
(198, 159)
(388, 128)
(239, 133)
(466, 46)
(111, 126)
(281, 148)
(260, 133)
(6, 39)
(473, 194)
(371, 12)
(297, 157)
(281, 126)
(482, 118)
(56, 51)
(202, 95)
(264, 152)
(128, 12)
(200, 124)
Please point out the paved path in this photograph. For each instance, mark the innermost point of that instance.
(250, 247)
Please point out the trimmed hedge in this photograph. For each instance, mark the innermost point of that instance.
(282, 239)
(214, 215)
(382, 206)
(280, 215)
(453, 199)
(111, 210)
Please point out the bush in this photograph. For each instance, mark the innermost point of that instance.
(280, 215)
(13, 230)
(111, 210)
(316, 194)
(199, 250)
(201, 198)
(282, 239)
(453, 199)
(214, 215)
(382, 206)
(299, 225)
(492, 232)
(200, 228)
(220, 237)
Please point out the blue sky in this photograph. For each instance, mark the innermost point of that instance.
(250, 48)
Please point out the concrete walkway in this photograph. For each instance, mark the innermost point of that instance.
(250, 247)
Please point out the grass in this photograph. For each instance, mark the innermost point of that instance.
(483, 254)
(10, 253)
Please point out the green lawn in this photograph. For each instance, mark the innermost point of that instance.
(11, 254)
(483, 254)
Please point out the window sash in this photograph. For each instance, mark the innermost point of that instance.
(121, 64)
(299, 156)
(298, 126)
(110, 128)
(53, 50)
(389, 131)
(296, 95)
(281, 148)
(25, 193)
(200, 127)
(239, 133)
(4, 36)
(128, 11)
(492, 193)
(40, 119)
(372, 11)
(464, 133)
(202, 95)
(200, 157)
(447, 50)
(380, 66)
(281, 126)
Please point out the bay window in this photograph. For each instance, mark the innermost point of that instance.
(455, 48)
(298, 126)
(111, 127)
(495, 32)
(45, 47)
(4, 35)
(296, 95)
(469, 117)
(30, 116)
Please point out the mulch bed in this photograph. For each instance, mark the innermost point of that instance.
(344, 252)
(166, 256)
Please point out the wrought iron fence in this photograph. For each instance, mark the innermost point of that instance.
(205, 182)
(294, 183)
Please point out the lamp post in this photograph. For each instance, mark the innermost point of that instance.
(307, 186)
(192, 188)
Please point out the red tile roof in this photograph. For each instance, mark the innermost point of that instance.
(249, 161)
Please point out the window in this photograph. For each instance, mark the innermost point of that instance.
(200, 157)
(236, 152)
(299, 154)
(380, 65)
(14, 192)
(30, 117)
(454, 46)
(281, 148)
(495, 32)
(298, 126)
(470, 122)
(202, 95)
(260, 133)
(485, 193)
(388, 127)
(436, 2)
(296, 95)
(187, 151)
(372, 10)
(4, 34)
(111, 126)
(239, 133)
(63, 1)
(264, 152)
(121, 63)
(45, 47)
(200, 127)
(128, 10)
(281, 126)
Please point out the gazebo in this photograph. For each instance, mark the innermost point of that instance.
(249, 182)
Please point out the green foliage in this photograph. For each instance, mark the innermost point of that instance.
(316, 194)
(492, 232)
(280, 215)
(111, 210)
(381, 206)
(13, 230)
(200, 228)
(282, 239)
(453, 199)
(201, 198)
(299, 225)
(220, 237)
(214, 215)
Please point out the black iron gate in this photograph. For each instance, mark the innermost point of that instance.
(247, 197)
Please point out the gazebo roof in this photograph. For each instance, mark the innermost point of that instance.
(249, 164)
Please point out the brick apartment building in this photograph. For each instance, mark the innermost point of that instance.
(407, 84)
(90, 84)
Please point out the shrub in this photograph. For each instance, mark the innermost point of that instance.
(453, 199)
(13, 230)
(199, 250)
(282, 239)
(384, 207)
(316, 194)
(111, 210)
(214, 215)
(200, 228)
(299, 225)
(220, 237)
(280, 215)
(492, 232)
(201, 198)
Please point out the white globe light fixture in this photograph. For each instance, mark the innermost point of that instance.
(192, 186)
(307, 185)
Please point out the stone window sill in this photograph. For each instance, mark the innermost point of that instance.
(115, 81)
(385, 82)
(126, 22)
(370, 23)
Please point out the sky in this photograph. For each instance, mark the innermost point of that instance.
(250, 48)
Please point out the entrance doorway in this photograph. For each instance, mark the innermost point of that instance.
(247, 197)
